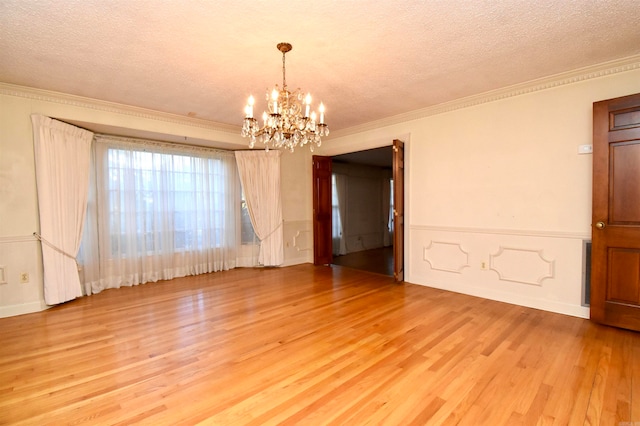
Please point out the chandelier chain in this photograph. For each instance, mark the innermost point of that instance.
(284, 76)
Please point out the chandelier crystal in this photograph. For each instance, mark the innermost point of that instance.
(289, 121)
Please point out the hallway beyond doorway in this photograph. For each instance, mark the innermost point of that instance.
(379, 261)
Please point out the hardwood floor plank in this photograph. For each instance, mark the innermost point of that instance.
(635, 377)
(310, 345)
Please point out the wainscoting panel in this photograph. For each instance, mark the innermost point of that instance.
(298, 242)
(446, 256)
(519, 265)
(362, 242)
(21, 254)
(537, 269)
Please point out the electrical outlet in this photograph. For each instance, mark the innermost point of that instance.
(483, 265)
(24, 277)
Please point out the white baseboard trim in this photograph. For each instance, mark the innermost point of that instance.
(514, 299)
(23, 308)
(296, 261)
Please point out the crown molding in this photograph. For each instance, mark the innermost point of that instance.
(112, 107)
(581, 74)
(587, 73)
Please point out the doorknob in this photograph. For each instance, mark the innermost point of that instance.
(600, 225)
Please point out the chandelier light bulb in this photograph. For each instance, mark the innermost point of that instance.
(249, 107)
(307, 102)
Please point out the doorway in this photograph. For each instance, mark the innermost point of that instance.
(377, 260)
(362, 210)
(322, 171)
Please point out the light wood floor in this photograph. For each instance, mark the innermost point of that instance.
(314, 346)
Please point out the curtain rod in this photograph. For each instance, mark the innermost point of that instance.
(163, 144)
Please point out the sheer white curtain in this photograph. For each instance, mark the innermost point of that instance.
(386, 211)
(260, 176)
(159, 211)
(62, 156)
(340, 196)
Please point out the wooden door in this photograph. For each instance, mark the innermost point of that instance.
(398, 210)
(615, 266)
(322, 211)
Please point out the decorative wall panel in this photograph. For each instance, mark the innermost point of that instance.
(519, 265)
(446, 256)
(303, 240)
(298, 242)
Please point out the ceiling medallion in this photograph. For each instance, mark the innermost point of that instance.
(288, 122)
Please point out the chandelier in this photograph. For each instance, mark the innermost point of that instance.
(288, 122)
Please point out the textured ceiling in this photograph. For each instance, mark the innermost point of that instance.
(366, 60)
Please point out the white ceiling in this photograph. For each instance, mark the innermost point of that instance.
(366, 60)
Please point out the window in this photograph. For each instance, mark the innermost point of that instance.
(168, 201)
(160, 211)
(247, 234)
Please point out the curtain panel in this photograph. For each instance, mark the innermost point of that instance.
(158, 211)
(260, 176)
(62, 157)
(340, 198)
(387, 213)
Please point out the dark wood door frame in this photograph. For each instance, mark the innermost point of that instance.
(322, 211)
(398, 210)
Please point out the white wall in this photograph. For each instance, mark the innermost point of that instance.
(297, 206)
(20, 252)
(498, 198)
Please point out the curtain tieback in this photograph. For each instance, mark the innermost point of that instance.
(272, 232)
(56, 248)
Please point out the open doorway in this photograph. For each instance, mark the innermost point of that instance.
(362, 210)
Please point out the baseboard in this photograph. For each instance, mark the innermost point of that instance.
(23, 308)
(296, 261)
(514, 299)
